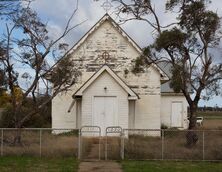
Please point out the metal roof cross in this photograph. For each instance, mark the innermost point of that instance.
(107, 6)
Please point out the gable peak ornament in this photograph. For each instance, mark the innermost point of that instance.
(105, 56)
(107, 6)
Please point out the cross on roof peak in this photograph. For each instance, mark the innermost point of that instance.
(107, 6)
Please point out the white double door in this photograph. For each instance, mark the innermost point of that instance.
(105, 112)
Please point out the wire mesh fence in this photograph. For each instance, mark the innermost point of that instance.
(213, 145)
(135, 144)
(20, 142)
(39, 142)
(173, 144)
(63, 144)
(142, 144)
(185, 145)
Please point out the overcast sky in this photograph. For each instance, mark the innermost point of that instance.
(57, 12)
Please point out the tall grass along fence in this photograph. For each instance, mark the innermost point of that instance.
(134, 144)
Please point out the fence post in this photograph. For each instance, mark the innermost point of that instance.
(2, 142)
(162, 149)
(99, 145)
(122, 145)
(106, 148)
(40, 142)
(203, 146)
(79, 147)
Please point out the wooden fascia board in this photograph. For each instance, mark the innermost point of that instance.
(113, 75)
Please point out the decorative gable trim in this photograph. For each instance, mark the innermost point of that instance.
(131, 93)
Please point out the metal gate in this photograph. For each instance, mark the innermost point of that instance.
(89, 142)
(114, 143)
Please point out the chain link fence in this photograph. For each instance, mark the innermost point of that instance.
(39, 142)
(134, 144)
(173, 144)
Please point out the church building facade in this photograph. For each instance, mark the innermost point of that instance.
(108, 93)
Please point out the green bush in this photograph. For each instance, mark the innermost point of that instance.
(41, 119)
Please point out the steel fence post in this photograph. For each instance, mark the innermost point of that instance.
(2, 142)
(40, 143)
(203, 146)
(79, 147)
(106, 147)
(99, 144)
(122, 145)
(162, 153)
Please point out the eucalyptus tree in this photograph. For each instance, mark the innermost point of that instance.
(187, 45)
(32, 58)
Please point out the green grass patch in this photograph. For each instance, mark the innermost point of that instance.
(26, 164)
(170, 166)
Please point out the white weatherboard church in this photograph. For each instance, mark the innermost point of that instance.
(109, 94)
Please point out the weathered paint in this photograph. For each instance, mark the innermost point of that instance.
(88, 56)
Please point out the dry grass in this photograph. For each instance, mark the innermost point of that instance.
(213, 145)
(174, 146)
(142, 147)
(113, 148)
(90, 148)
(51, 146)
(211, 124)
(137, 145)
(87, 146)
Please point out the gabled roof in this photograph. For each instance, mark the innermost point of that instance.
(107, 17)
(131, 93)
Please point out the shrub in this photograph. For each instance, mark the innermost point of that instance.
(40, 119)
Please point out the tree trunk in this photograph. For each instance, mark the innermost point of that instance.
(17, 138)
(191, 136)
(192, 119)
(18, 135)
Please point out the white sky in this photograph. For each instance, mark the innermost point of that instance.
(57, 12)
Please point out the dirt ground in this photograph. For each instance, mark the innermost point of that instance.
(212, 124)
(100, 166)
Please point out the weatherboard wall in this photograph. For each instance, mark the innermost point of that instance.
(166, 109)
(122, 54)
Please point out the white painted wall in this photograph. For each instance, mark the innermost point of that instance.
(97, 89)
(166, 109)
(122, 54)
(61, 118)
(147, 112)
